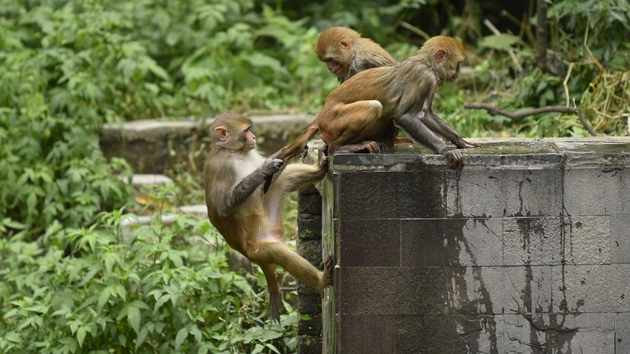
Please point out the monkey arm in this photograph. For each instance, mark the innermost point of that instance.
(438, 125)
(414, 126)
(249, 184)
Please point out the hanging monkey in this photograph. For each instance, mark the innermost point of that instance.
(249, 221)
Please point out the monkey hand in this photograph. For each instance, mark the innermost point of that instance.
(463, 144)
(323, 156)
(454, 157)
(271, 166)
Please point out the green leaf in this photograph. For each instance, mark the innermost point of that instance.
(103, 298)
(161, 301)
(182, 334)
(499, 41)
(81, 336)
(141, 337)
(262, 60)
(133, 317)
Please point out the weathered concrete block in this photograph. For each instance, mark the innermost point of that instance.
(532, 241)
(310, 227)
(309, 304)
(474, 290)
(391, 291)
(449, 242)
(310, 326)
(587, 240)
(309, 345)
(518, 191)
(622, 331)
(597, 191)
(620, 239)
(391, 195)
(559, 333)
(591, 288)
(527, 289)
(311, 250)
(375, 332)
(366, 248)
(439, 334)
(310, 202)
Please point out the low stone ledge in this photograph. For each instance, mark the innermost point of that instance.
(159, 145)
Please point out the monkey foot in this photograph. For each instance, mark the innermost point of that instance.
(403, 140)
(367, 146)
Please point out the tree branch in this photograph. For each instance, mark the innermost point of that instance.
(520, 115)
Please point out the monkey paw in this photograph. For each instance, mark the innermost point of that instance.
(367, 146)
(455, 158)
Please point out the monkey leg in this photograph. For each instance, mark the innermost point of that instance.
(290, 179)
(273, 252)
(351, 123)
(275, 296)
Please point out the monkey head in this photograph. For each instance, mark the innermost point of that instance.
(334, 47)
(446, 54)
(232, 131)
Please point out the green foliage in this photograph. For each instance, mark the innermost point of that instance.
(602, 26)
(52, 172)
(589, 66)
(103, 61)
(143, 289)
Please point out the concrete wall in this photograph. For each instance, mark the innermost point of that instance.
(525, 250)
(159, 146)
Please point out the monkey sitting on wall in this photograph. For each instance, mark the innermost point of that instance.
(249, 221)
(346, 53)
(356, 113)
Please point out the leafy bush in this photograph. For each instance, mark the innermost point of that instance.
(53, 173)
(146, 289)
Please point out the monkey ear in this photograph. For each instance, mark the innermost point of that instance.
(345, 43)
(222, 133)
(440, 56)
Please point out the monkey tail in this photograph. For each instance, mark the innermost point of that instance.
(275, 298)
(292, 149)
(299, 143)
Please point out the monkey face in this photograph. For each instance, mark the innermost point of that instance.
(336, 68)
(250, 139)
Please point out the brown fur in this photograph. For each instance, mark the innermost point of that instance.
(363, 106)
(254, 228)
(346, 51)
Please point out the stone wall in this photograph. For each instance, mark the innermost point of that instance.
(525, 250)
(163, 146)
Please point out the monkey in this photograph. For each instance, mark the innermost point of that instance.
(357, 111)
(249, 221)
(346, 53)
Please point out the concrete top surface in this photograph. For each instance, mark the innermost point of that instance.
(503, 151)
(147, 129)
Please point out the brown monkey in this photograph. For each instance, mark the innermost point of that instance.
(346, 53)
(250, 222)
(356, 112)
